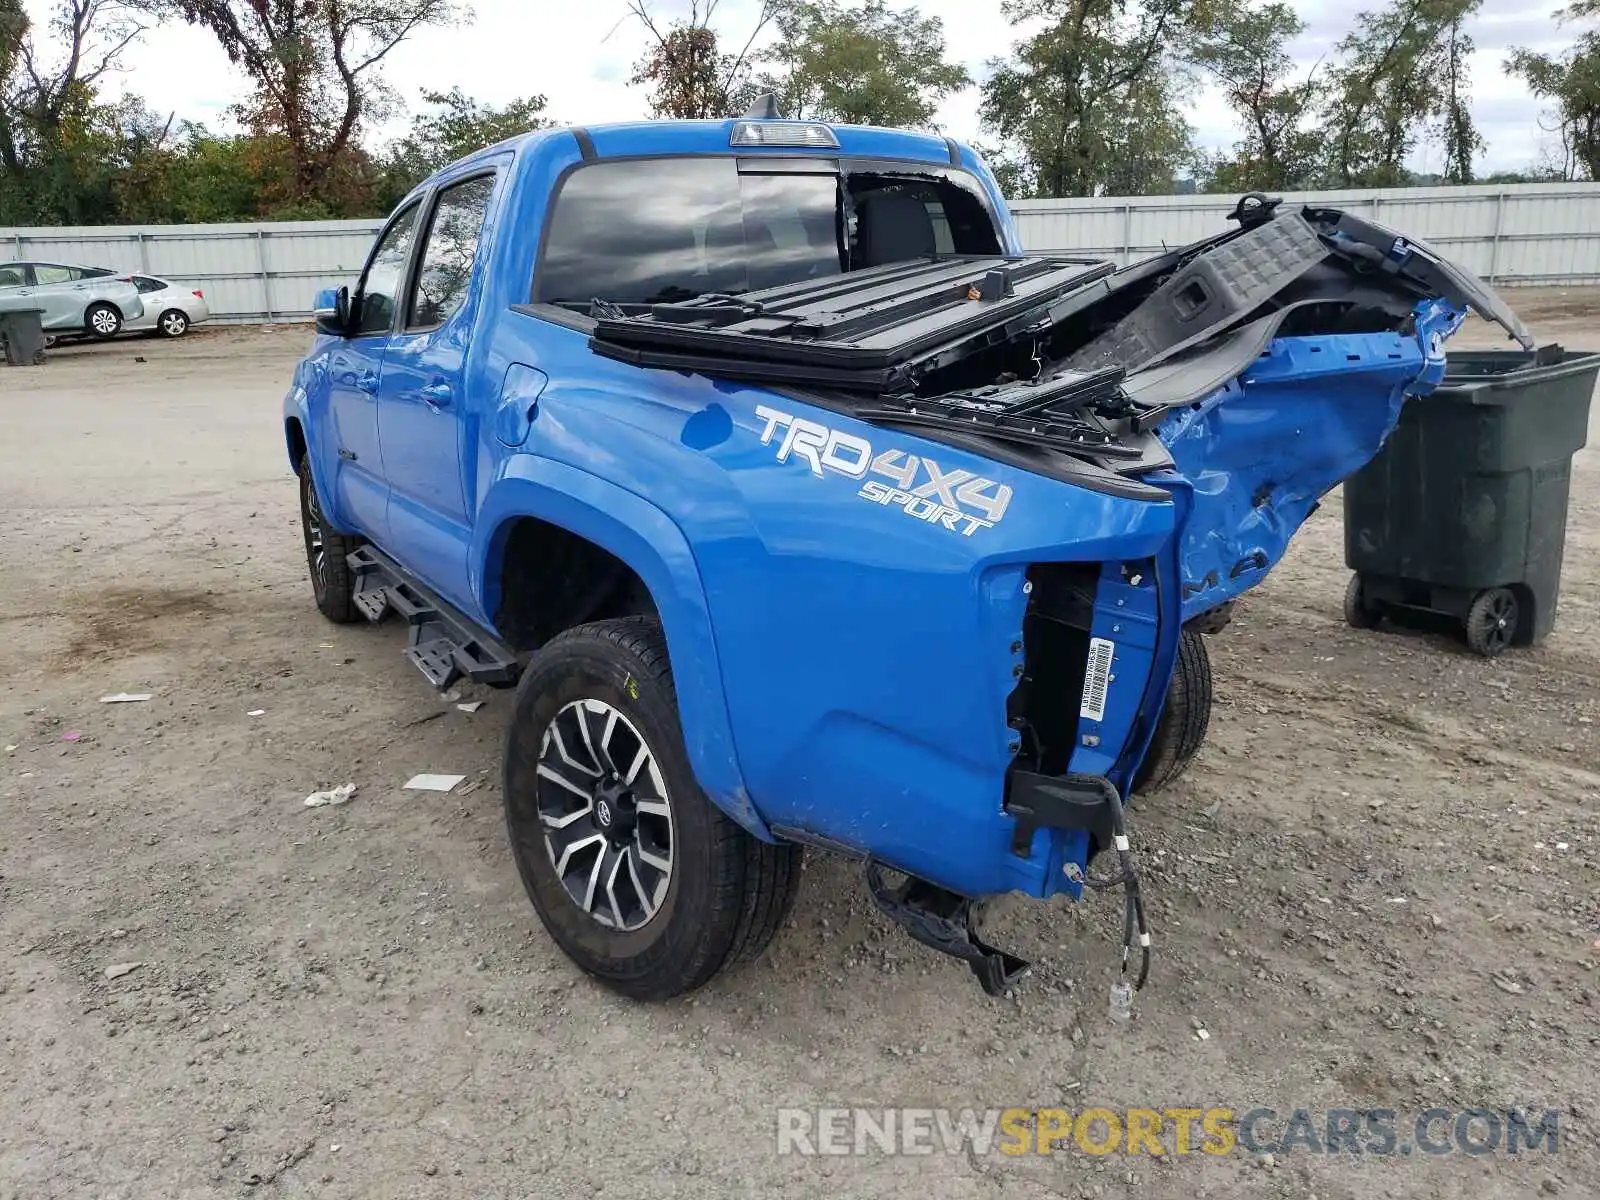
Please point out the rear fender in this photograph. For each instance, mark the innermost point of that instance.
(1260, 452)
(297, 428)
(645, 538)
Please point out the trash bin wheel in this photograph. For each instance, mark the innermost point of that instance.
(1358, 614)
(1492, 621)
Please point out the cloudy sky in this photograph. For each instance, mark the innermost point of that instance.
(579, 54)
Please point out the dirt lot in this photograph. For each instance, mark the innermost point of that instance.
(1376, 889)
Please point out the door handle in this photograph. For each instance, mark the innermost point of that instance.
(438, 395)
(368, 383)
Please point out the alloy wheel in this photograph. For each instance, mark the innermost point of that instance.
(607, 818)
(316, 547)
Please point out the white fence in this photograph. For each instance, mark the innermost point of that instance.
(1522, 234)
(1525, 234)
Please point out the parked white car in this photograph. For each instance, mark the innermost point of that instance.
(169, 308)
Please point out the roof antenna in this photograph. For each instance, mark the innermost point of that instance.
(764, 109)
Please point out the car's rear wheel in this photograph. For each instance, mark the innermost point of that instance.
(639, 878)
(327, 555)
(173, 323)
(102, 320)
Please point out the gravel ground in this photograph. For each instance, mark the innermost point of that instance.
(1375, 889)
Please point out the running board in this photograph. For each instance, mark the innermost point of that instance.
(445, 644)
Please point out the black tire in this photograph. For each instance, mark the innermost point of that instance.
(173, 323)
(726, 893)
(327, 554)
(1492, 621)
(1357, 613)
(1184, 719)
(102, 321)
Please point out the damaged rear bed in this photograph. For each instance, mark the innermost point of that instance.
(1253, 370)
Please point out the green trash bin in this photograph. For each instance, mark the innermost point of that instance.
(1464, 510)
(22, 337)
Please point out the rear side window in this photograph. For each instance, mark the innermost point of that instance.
(146, 285)
(47, 275)
(672, 229)
(452, 248)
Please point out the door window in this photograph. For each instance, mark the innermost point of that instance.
(452, 248)
(12, 277)
(146, 285)
(47, 275)
(381, 286)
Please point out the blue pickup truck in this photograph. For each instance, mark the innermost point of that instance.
(801, 506)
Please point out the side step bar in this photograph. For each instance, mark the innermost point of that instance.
(445, 644)
(947, 922)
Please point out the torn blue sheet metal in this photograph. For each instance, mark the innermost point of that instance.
(1260, 452)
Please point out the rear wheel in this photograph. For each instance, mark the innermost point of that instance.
(1184, 719)
(639, 878)
(102, 320)
(173, 323)
(327, 552)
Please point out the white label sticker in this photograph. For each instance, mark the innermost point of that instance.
(1097, 679)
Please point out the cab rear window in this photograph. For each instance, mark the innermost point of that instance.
(664, 230)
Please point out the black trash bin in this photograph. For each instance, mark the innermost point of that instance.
(22, 337)
(1464, 511)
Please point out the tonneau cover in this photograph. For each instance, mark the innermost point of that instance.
(870, 330)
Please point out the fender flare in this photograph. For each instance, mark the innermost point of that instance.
(296, 411)
(650, 542)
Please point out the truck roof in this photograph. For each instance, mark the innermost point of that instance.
(651, 138)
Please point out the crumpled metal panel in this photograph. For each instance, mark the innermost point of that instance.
(1261, 452)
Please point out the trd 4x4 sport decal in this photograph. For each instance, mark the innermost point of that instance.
(958, 499)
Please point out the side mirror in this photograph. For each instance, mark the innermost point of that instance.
(332, 311)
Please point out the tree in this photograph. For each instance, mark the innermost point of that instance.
(14, 27)
(690, 76)
(1571, 81)
(1403, 72)
(1089, 104)
(1462, 141)
(861, 65)
(1248, 56)
(316, 69)
(456, 127)
(56, 138)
